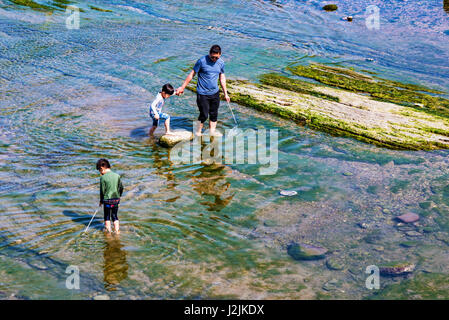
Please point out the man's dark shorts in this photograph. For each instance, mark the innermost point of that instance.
(208, 106)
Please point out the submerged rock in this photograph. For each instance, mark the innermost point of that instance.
(169, 140)
(397, 268)
(102, 297)
(330, 7)
(301, 251)
(409, 217)
(335, 264)
(288, 193)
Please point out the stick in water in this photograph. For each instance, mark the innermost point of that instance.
(232, 113)
(91, 220)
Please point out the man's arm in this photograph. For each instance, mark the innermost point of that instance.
(223, 86)
(120, 187)
(101, 192)
(189, 78)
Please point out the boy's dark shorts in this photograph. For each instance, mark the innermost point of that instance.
(208, 106)
(110, 207)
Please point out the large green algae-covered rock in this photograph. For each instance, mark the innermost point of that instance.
(381, 112)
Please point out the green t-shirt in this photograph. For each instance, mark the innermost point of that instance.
(110, 186)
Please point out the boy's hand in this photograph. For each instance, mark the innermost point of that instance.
(228, 99)
(179, 91)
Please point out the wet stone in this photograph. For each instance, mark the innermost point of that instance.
(335, 264)
(301, 251)
(413, 233)
(169, 140)
(408, 217)
(397, 269)
(288, 193)
(332, 285)
(102, 297)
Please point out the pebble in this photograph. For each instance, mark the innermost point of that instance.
(348, 18)
(397, 270)
(102, 297)
(288, 193)
(334, 264)
(348, 174)
(363, 225)
(332, 285)
(413, 234)
(301, 251)
(408, 217)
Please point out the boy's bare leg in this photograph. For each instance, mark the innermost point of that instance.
(199, 127)
(167, 126)
(117, 226)
(107, 226)
(153, 128)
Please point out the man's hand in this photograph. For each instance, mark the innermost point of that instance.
(228, 99)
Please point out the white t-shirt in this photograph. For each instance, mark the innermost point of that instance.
(157, 104)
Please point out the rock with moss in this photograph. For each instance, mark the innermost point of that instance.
(380, 112)
(170, 140)
(330, 7)
(302, 251)
(396, 268)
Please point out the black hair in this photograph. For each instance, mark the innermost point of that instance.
(215, 49)
(168, 89)
(103, 163)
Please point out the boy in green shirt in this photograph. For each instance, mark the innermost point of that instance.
(111, 190)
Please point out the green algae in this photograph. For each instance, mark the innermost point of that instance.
(33, 5)
(279, 81)
(410, 95)
(100, 9)
(422, 287)
(330, 7)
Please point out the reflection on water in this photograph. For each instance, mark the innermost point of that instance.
(209, 182)
(115, 268)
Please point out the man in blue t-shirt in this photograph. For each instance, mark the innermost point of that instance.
(209, 68)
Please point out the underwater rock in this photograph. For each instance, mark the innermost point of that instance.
(288, 193)
(363, 225)
(102, 297)
(351, 104)
(330, 7)
(335, 264)
(413, 233)
(397, 269)
(446, 5)
(332, 285)
(169, 140)
(303, 251)
(409, 217)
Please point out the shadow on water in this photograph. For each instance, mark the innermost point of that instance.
(42, 263)
(84, 219)
(115, 268)
(175, 123)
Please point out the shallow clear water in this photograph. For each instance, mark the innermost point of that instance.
(69, 97)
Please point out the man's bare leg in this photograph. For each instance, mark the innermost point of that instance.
(212, 126)
(199, 128)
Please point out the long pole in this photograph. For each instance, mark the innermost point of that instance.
(91, 220)
(232, 113)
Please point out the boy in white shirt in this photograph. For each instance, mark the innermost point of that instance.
(156, 108)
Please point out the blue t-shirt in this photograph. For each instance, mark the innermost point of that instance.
(208, 72)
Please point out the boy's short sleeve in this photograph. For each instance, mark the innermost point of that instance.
(222, 68)
(197, 66)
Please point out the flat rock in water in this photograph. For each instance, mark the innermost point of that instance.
(301, 251)
(288, 193)
(169, 140)
(397, 269)
(408, 217)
